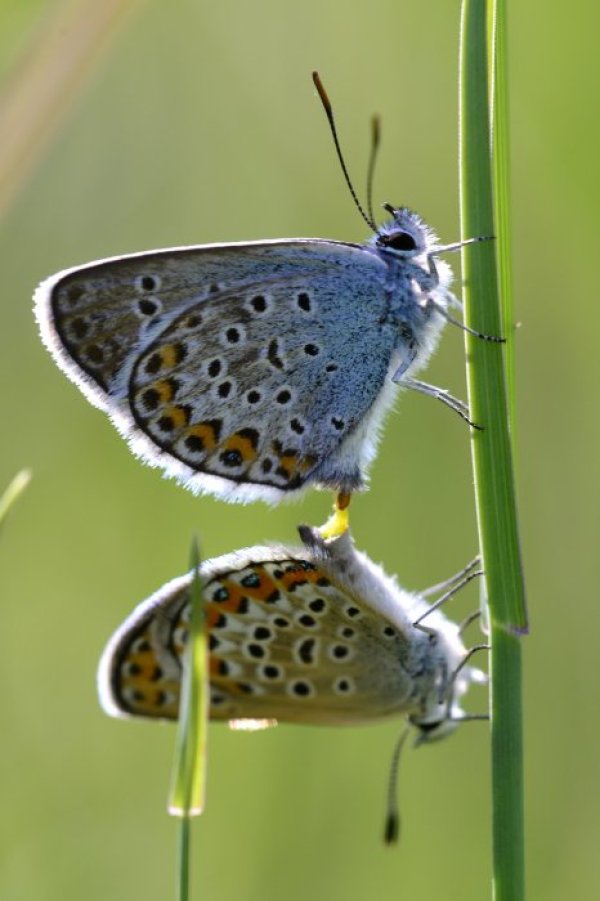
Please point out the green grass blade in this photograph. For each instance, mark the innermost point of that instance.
(489, 402)
(183, 858)
(492, 453)
(500, 126)
(507, 767)
(12, 493)
(186, 798)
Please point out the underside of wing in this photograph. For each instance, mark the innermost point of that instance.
(285, 642)
(93, 317)
(262, 385)
(239, 369)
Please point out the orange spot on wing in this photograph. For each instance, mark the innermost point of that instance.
(307, 463)
(141, 677)
(263, 590)
(139, 665)
(179, 415)
(291, 464)
(231, 601)
(299, 576)
(236, 595)
(152, 703)
(244, 445)
(213, 666)
(170, 355)
(207, 433)
(288, 461)
(164, 389)
(288, 464)
(212, 614)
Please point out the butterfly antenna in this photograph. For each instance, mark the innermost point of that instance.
(375, 140)
(329, 113)
(392, 816)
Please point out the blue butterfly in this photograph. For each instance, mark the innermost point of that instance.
(254, 370)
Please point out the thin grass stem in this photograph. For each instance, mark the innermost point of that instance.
(186, 798)
(12, 493)
(490, 403)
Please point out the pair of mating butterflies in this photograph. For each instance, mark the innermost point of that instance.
(253, 371)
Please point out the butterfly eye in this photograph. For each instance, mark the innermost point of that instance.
(400, 241)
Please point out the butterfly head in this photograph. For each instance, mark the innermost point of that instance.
(405, 234)
(442, 712)
(433, 731)
(438, 722)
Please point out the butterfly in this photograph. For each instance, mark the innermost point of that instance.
(253, 370)
(315, 635)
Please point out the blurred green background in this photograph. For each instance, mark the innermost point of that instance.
(200, 123)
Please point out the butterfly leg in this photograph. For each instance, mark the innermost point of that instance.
(494, 338)
(441, 394)
(452, 681)
(451, 300)
(453, 580)
(339, 520)
(471, 618)
(411, 356)
(461, 325)
(466, 578)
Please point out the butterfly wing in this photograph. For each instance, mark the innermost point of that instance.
(246, 370)
(287, 641)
